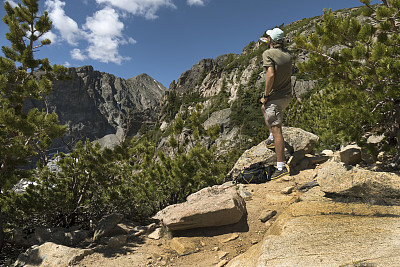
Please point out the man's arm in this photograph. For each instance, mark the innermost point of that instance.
(269, 82)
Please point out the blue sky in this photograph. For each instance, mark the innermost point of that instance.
(162, 38)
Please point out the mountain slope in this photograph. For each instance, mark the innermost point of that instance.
(94, 104)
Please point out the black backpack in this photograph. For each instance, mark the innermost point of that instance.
(256, 173)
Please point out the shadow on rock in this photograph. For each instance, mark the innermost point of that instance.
(241, 226)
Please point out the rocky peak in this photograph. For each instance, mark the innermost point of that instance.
(94, 104)
(189, 78)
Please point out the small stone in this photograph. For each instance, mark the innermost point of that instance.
(182, 246)
(350, 154)
(216, 248)
(202, 243)
(254, 242)
(267, 215)
(157, 234)
(163, 263)
(232, 237)
(222, 254)
(151, 227)
(221, 263)
(139, 233)
(246, 195)
(117, 241)
(327, 152)
(375, 168)
(287, 190)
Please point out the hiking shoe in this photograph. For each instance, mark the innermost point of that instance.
(270, 144)
(279, 174)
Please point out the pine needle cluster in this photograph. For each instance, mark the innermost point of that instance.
(358, 60)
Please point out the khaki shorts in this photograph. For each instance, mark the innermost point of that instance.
(274, 109)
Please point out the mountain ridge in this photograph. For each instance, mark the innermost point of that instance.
(94, 104)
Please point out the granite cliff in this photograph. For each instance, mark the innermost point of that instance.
(95, 105)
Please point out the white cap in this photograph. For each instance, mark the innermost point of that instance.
(276, 34)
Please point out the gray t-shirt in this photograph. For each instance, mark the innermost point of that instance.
(281, 60)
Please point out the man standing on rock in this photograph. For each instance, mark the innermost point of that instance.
(278, 93)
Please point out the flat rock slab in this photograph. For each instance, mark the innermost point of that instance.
(211, 206)
(333, 240)
(51, 254)
(327, 233)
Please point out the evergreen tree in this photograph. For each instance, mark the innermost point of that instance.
(79, 190)
(24, 134)
(361, 62)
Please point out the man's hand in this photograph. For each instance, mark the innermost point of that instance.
(263, 100)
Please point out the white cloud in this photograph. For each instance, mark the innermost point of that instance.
(105, 23)
(50, 35)
(12, 3)
(131, 40)
(128, 41)
(105, 50)
(67, 27)
(103, 31)
(146, 8)
(67, 64)
(105, 36)
(195, 2)
(77, 55)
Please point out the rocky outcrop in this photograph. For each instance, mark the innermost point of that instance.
(318, 230)
(320, 239)
(189, 78)
(296, 140)
(94, 104)
(40, 235)
(106, 224)
(211, 206)
(344, 180)
(300, 87)
(221, 117)
(51, 254)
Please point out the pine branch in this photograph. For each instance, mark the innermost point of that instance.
(322, 55)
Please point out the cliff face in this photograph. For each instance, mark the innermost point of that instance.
(94, 104)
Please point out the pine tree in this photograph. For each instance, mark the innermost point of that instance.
(79, 190)
(361, 61)
(24, 134)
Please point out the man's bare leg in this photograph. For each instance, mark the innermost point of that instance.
(279, 142)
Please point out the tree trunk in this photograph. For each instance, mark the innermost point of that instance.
(396, 159)
(1, 231)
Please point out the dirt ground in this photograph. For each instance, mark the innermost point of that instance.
(208, 246)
